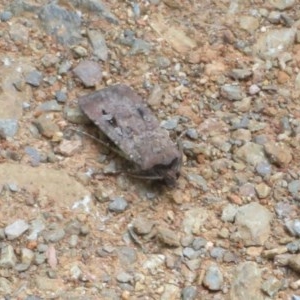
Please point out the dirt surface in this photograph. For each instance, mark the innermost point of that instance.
(224, 76)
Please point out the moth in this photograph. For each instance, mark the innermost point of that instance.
(122, 115)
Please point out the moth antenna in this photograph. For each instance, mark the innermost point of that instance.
(106, 145)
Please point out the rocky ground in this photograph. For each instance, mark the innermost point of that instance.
(225, 75)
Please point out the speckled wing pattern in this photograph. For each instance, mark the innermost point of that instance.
(124, 117)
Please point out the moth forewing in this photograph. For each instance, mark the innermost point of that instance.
(127, 121)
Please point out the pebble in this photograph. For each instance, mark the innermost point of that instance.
(263, 168)
(168, 237)
(124, 277)
(278, 153)
(142, 226)
(53, 16)
(199, 243)
(34, 78)
(8, 258)
(16, 229)
(246, 281)
(89, 72)
(117, 204)
(51, 105)
(253, 224)
(8, 127)
(272, 286)
(250, 153)
(27, 256)
(35, 157)
(60, 96)
(127, 255)
(154, 263)
(293, 226)
(294, 187)
(171, 292)
(262, 190)
(282, 4)
(13, 187)
(170, 124)
(232, 92)
(294, 262)
(229, 212)
(46, 126)
(5, 286)
(213, 278)
(69, 148)
(75, 115)
(98, 43)
(54, 235)
(5, 16)
(189, 293)
(198, 181)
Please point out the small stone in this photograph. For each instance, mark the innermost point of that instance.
(294, 187)
(232, 92)
(49, 60)
(293, 226)
(198, 181)
(64, 67)
(13, 187)
(263, 168)
(229, 212)
(171, 292)
(98, 43)
(278, 153)
(89, 72)
(48, 284)
(213, 278)
(189, 293)
(246, 282)
(73, 241)
(168, 237)
(5, 286)
(27, 256)
(124, 277)
(154, 263)
(34, 78)
(5, 16)
(253, 222)
(118, 204)
(199, 243)
(80, 51)
(163, 62)
(294, 262)
(60, 96)
(8, 258)
(240, 73)
(16, 229)
(46, 126)
(282, 4)
(54, 235)
(69, 148)
(170, 124)
(51, 105)
(142, 226)
(75, 115)
(8, 127)
(262, 190)
(250, 153)
(192, 133)
(271, 286)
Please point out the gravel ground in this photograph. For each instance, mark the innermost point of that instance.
(224, 76)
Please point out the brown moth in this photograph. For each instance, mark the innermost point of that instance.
(122, 115)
